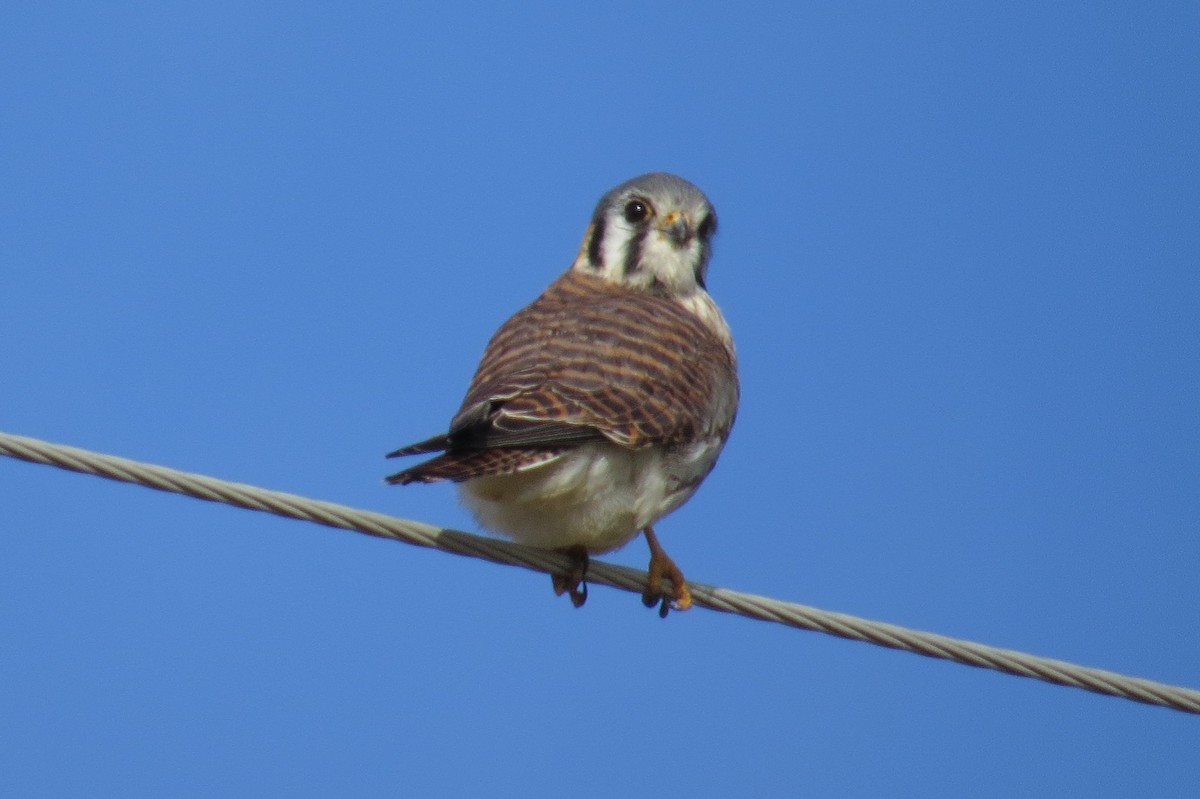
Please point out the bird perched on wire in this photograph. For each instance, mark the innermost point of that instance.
(600, 407)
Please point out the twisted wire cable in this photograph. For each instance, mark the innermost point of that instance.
(721, 599)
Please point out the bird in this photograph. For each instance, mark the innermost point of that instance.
(600, 407)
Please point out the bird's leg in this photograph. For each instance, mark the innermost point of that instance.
(572, 583)
(661, 566)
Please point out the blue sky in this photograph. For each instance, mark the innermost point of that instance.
(267, 242)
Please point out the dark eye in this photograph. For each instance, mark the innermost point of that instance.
(636, 211)
(707, 227)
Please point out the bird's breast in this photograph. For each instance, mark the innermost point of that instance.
(599, 495)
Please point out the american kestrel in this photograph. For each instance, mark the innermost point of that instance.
(600, 407)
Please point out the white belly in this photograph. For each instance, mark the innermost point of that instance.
(598, 496)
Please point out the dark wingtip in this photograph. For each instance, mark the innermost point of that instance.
(436, 444)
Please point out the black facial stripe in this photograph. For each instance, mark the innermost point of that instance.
(633, 254)
(595, 244)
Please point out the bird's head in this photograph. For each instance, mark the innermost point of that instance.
(652, 233)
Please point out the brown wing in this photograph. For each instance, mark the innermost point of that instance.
(588, 360)
(636, 368)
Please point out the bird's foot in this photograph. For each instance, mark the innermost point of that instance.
(573, 582)
(661, 566)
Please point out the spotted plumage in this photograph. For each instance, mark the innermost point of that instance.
(601, 406)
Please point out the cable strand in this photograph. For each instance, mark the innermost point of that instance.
(763, 608)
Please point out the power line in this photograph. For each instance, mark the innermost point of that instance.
(756, 607)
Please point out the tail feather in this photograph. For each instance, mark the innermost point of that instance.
(460, 466)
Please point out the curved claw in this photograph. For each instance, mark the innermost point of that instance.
(573, 582)
(579, 595)
(661, 566)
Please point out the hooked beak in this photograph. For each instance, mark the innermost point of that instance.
(675, 226)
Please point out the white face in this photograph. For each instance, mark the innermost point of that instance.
(653, 233)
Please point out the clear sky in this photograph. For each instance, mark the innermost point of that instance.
(959, 251)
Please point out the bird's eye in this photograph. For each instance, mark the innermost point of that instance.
(636, 211)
